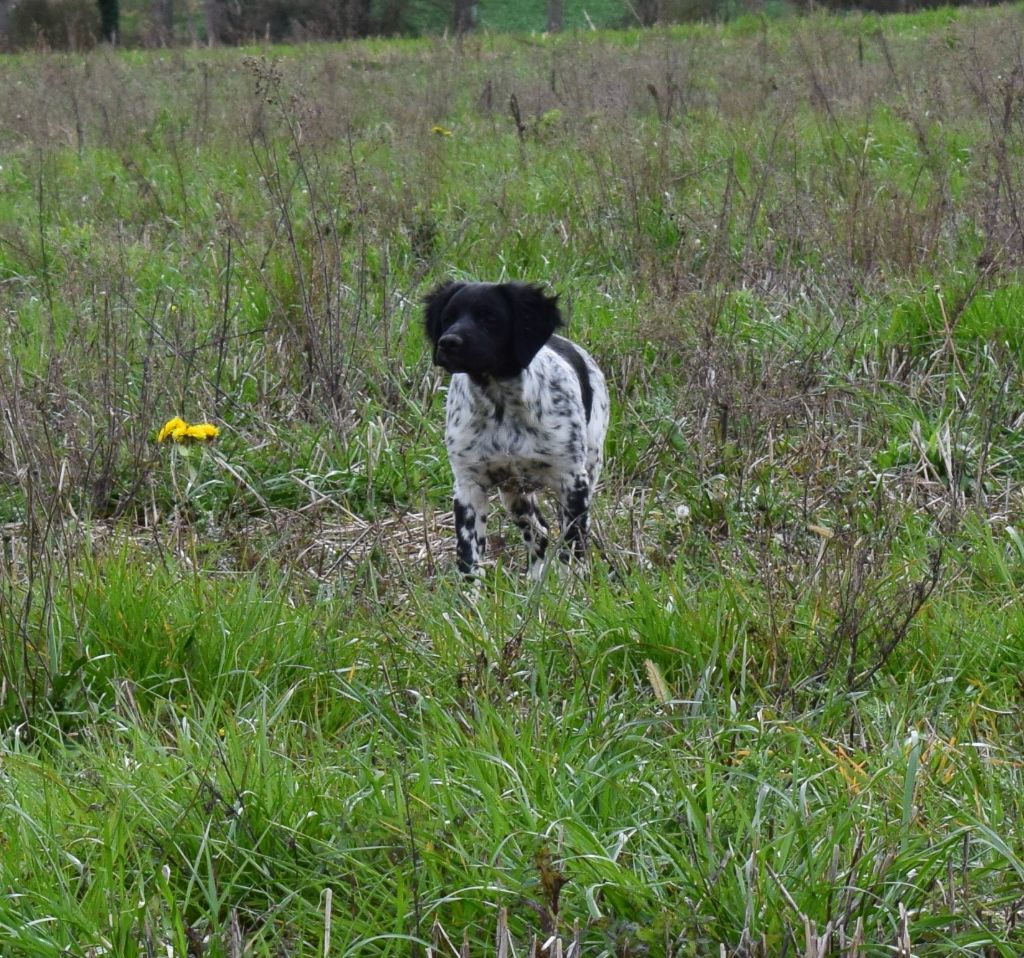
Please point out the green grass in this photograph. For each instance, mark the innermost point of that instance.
(526, 16)
(780, 704)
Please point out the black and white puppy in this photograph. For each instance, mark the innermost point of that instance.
(526, 410)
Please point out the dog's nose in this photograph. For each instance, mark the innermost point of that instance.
(449, 343)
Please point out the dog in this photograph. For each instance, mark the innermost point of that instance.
(526, 410)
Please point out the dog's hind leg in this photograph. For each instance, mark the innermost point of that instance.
(522, 507)
(574, 497)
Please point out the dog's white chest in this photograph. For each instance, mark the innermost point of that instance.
(507, 442)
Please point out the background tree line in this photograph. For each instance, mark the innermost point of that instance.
(80, 24)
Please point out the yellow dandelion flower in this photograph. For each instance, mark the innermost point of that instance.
(180, 431)
(204, 432)
(440, 131)
(173, 429)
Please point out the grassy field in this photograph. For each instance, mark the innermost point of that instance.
(425, 17)
(429, 16)
(246, 706)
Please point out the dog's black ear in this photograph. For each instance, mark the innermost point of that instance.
(434, 303)
(535, 316)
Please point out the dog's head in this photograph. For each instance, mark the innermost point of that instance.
(489, 329)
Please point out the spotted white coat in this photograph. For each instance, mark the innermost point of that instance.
(542, 427)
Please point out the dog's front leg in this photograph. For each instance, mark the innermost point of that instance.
(470, 524)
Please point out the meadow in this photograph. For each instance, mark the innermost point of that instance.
(247, 708)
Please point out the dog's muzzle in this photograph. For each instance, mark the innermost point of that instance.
(449, 346)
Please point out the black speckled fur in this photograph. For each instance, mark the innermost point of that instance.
(527, 410)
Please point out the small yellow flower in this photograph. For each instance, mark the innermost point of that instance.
(440, 131)
(173, 429)
(180, 431)
(204, 432)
